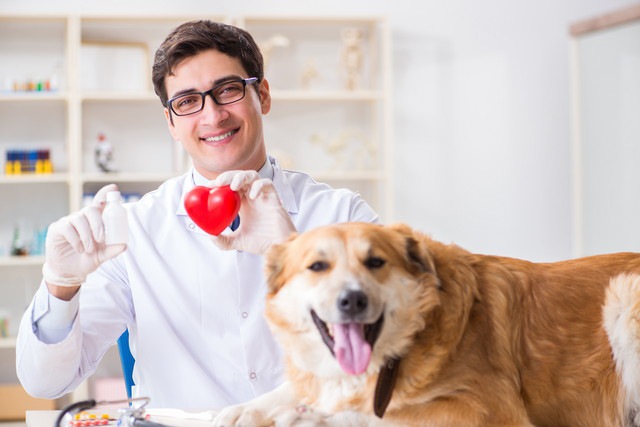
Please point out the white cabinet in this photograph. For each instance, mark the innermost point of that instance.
(331, 115)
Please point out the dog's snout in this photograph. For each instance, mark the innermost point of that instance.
(352, 302)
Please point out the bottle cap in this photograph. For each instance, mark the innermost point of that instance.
(113, 196)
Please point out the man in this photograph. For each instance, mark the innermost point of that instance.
(193, 308)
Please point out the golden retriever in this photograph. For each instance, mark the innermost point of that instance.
(383, 326)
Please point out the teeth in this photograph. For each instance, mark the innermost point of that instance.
(220, 137)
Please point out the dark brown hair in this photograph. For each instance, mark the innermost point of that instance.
(193, 37)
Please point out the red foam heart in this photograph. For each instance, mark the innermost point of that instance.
(213, 210)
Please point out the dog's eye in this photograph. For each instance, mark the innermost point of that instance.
(319, 266)
(374, 262)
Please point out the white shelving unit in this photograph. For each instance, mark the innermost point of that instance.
(337, 134)
(101, 67)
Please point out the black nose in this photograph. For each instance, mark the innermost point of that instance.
(352, 302)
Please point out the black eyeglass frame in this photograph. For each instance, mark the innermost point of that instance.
(245, 83)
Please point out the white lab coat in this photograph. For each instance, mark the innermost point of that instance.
(194, 312)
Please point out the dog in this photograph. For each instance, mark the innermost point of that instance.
(384, 326)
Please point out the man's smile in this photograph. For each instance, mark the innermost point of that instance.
(220, 137)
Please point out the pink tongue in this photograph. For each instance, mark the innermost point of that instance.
(352, 351)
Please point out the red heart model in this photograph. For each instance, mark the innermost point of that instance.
(212, 209)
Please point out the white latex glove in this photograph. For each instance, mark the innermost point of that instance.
(75, 244)
(263, 219)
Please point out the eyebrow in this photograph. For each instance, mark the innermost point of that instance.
(216, 82)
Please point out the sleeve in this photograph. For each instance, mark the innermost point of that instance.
(44, 369)
(54, 356)
(52, 318)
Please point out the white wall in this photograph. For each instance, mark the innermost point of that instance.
(482, 110)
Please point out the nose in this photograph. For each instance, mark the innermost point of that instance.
(211, 109)
(352, 302)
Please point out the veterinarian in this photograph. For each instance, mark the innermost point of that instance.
(192, 306)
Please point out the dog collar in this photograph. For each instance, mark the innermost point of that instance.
(384, 386)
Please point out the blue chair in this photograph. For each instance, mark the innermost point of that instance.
(127, 361)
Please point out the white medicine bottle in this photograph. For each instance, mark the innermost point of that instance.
(114, 217)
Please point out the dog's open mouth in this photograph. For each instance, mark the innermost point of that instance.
(350, 343)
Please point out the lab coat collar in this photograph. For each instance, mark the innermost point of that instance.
(283, 187)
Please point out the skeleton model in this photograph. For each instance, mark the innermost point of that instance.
(309, 73)
(352, 56)
(267, 46)
(104, 154)
(334, 147)
(363, 155)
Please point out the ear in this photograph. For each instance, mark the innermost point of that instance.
(417, 255)
(265, 96)
(170, 125)
(275, 261)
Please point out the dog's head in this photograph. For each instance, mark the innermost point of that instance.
(361, 289)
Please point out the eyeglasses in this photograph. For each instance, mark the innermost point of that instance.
(223, 94)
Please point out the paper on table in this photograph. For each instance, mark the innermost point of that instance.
(179, 417)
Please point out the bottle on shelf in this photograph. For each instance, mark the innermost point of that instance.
(4, 323)
(18, 244)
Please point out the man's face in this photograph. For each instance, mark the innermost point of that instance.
(220, 137)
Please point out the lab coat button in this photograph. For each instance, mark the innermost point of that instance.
(245, 314)
(191, 226)
(253, 375)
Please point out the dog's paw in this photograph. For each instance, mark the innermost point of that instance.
(242, 416)
(299, 416)
(304, 416)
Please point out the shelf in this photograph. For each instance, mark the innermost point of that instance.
(316, 20)
(355, 175)
(35, 178)
(128, 177)
(337, 95)
(281, 95)
(118, 96)
(8, 342)
(21, 261)
(33, 96)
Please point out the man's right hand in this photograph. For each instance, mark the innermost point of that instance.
(75, 247)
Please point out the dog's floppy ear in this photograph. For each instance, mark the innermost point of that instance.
(417, 254)
(274, 265)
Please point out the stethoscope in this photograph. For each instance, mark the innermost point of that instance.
(131, 416)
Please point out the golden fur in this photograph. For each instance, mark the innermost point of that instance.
(482, 340)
